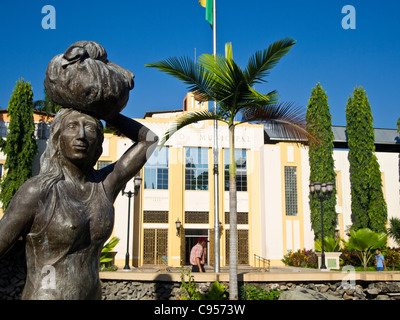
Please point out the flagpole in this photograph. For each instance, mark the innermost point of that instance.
(215, 153)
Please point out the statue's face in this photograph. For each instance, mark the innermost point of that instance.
(79, 139)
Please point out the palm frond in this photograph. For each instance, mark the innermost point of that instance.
(221, 69)
(394, 229)
(262, 62)
(285, 119)
(254, 97)
(229, 82)
(228, 51)
(192, 74)
(250, 98)
(216, 67)
(187, 119)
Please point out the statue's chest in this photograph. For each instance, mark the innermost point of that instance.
(73, 224)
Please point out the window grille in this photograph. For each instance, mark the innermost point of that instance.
(103, 164)
(196, 216)
(242, 217)
(243, 247)
(149, 246)
(291, 191)
(155, 245)
(155, 217)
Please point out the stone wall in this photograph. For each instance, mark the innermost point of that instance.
(362, 290)
(13, 273)
(13, 276)
(134, 290)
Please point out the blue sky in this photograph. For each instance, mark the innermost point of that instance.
(138, 32)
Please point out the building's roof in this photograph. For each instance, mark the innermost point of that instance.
(38, 116)
(151, 114)
(385, 139)
(382, 136)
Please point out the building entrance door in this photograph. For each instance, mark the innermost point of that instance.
(191, 237)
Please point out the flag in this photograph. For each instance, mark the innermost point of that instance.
(208, 4)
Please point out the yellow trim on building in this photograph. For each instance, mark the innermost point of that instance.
(292, 226)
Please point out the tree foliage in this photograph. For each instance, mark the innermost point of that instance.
(322, 167)
(367, 202)
(47, 105)
(330, 244)
(20, 146)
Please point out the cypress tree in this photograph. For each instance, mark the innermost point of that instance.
(322, 168)
(20, 146)
(368, 205)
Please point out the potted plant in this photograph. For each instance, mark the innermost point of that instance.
(331, 251)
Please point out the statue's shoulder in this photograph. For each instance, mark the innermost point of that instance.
(26, 199)
(30, 189)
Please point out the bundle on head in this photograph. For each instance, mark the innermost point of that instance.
(83, 78)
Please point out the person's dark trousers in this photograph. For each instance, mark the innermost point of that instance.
(196, 268)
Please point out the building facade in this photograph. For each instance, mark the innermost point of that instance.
(177, 185)
(273, 191)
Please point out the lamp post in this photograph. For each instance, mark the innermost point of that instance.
(178, 225)
(136, 182)
(321, 191)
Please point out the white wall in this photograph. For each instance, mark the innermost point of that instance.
(271, 203)
(308, 232)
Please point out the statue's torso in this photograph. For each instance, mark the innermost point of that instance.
(64, 245)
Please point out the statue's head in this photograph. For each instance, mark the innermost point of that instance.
(75, 136)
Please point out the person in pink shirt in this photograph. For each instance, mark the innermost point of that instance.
(197, 255)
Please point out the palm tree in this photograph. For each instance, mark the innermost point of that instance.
(364, 241)
(394, 229)
(220, 79)
(47, 105)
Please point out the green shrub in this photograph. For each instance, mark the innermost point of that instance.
(352, 258)
(301, 258)
(392, 258)
(190, 292)
(252, 292)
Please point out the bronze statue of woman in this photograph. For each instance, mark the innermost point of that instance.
(66, 212)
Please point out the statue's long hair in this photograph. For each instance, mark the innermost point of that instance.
(51, 170)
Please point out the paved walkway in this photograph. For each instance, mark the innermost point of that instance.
(241, 269)
(248, 274)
